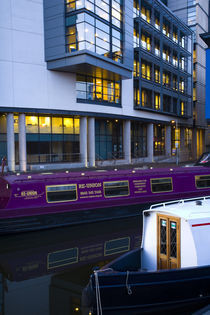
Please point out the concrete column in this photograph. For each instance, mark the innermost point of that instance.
(127, 140)
(91, 142)
(83, 140)
(10, 142)
(150, 140)
(168, 140)
(22, 143)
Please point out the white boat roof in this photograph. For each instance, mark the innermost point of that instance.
(188, 209)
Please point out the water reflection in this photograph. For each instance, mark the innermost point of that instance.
(44, 272)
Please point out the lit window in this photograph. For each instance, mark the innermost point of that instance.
(182, 105)
(68, 124)
(57, 125)
(45, 124)
(157, 101)
(16, 124)
(32, 124)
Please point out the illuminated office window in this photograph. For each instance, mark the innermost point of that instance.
(157, 101)
(166, 79)
(145, 13)
(157, 74)
(32, 125)
(146, 69)
(135, 8)
(98, 89)
(101, 35)
(45, 124)
(136, 36)
(159, 139)
(146, 41)
(136, 67)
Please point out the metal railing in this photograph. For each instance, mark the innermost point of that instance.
(54, 158)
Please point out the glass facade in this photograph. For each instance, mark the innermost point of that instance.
(159, 140)
(52, 139)
(109, 139)
(160, 49)
(99, 29)
(97, 89)
(175, 139)
(138, 140)
(3, 136)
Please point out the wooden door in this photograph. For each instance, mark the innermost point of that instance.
(168, 247)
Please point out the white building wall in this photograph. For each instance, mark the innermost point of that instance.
(25, 81)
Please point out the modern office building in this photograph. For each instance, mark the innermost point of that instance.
(195, 14)
(206, 38)
(93, 81)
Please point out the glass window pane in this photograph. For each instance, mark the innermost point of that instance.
(45, 124)
(68, 124)
(57, 125)
(3, 124)
(76, 125)
(32, 124)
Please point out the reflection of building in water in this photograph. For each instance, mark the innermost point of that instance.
(66, 291)
(53, 265)
(1, 294)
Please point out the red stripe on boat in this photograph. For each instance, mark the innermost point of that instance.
(202, 224)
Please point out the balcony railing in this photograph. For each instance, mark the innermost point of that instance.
(53, 158)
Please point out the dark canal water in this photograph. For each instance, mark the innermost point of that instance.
(44, 273)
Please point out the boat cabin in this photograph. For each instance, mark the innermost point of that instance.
(176, 235)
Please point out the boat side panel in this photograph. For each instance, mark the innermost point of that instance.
(5, 192)
(187, 246)
(200, 232)
(149, 242)
(29, 197)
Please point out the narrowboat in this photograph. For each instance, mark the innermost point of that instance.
(169, 273)
(33, 201)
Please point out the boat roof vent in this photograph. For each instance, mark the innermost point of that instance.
(101, 170)
(198, 202)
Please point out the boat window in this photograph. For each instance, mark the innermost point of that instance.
(163, 236)
(173, 239)
(117, 246)
(116, 189)
(202, 181)
(62, 258)
(161, 184)
(61, 193)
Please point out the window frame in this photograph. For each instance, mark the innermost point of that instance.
(116, 196)
(196, 179)
(161, 178)
(46, 192)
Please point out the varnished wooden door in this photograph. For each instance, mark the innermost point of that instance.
(168, 246)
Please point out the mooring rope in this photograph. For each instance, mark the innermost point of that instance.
(128, 286)
(98, 295)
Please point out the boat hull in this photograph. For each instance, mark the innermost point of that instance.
(150, 292)
(40, 222)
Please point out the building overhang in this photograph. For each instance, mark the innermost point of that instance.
(86, 62)
(206, 38)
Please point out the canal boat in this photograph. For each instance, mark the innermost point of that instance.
(171, 270)
(33, 201)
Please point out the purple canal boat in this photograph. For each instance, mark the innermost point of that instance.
(44, 200)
